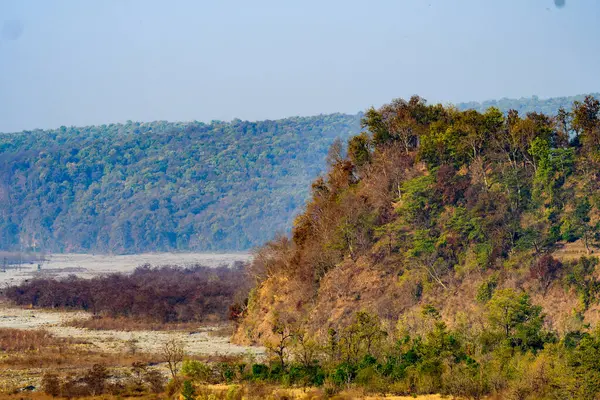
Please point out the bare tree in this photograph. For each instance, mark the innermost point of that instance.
(173, 353)
(280, 347)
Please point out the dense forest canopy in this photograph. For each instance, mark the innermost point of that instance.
(161, 186)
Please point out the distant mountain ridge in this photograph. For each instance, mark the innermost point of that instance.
(524, 105)
(168, 186)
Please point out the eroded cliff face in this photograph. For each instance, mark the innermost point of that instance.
(398, 300)
(350, 287)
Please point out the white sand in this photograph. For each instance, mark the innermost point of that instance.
(89, 265)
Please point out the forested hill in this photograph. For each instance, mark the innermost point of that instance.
(170, 186)
(160, 186)
(525, 105)
(445, 251)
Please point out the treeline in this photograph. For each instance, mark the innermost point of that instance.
(526, 105)
(163, 294)
(160, 186)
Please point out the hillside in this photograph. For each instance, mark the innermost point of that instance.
(446, 251)
(161, 186)
(526, 104)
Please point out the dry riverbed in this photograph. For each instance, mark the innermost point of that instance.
(197, 342)
(203, 341)
(91, 265)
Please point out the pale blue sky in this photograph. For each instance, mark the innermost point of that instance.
(84, 62)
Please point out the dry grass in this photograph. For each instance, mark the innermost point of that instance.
(225, 330)
(17, 340)
(27, 349)
(43, 396)
(130, 324)
(70, 357)
(275, 394)
(422, 397)
(267, 391)
(573, 251)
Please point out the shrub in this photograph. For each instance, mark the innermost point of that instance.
(51, 384)
(197, 371)
(545, 270)
(188, 391)
(486, 289)
(155, 381)
(260, 371)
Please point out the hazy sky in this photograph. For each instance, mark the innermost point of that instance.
(84, 62)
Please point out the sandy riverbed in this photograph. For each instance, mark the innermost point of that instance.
(90, 265)
(197, 342)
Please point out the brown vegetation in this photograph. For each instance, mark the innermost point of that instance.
(106, 323)
(16, 340)
(425, 206)
(165, 294)
(37, 349)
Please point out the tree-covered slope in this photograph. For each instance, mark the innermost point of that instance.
(526, 104)
(446, 251)
(160, 186)
(169, 186)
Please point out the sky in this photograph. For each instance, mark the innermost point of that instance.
(94, 62)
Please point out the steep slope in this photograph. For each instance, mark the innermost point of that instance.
(436, 206)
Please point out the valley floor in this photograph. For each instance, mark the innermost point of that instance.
(110, 346)
(200, 341)
(91, 265)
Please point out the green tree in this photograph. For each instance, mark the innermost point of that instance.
(586, 123)
(188, 391)
(518, 321)
(361, 337)
(359, 149)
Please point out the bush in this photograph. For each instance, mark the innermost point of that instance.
(306, 376)
(51, 384)
(197, 371)
(188, 391)
(545, 270)
(464, 380)
(163, 294)
(155, 381)
(260, 372)
(173, 387)
(486, 289)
